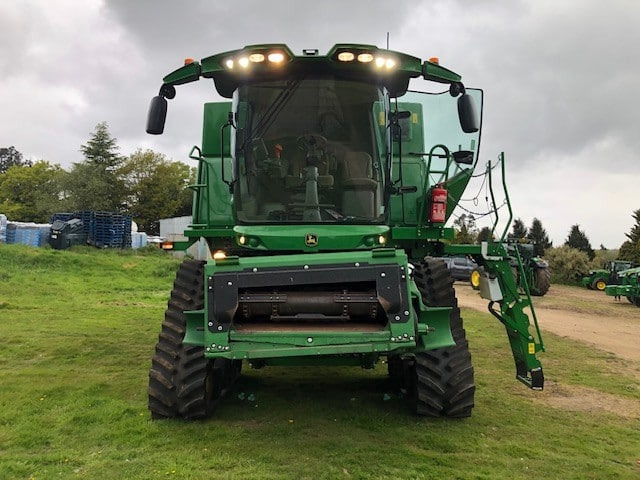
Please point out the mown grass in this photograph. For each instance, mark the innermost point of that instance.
(77, 330)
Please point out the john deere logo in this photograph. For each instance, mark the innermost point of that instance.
(311, 240)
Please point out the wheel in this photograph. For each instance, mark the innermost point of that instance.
(516, 276)
(636, 301)
(474, 279)
(541, 282)
(182, 382)
(630, 299)
(599, 284)
(441, 381)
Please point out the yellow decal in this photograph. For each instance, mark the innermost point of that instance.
(532, 348)
(311, 240)
(381, 119)
(414, 118)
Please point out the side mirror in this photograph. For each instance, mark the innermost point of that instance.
(157, 115)
(467, 114)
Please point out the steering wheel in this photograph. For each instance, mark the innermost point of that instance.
(315, 146)
(310, 142)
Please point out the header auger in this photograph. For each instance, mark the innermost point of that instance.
(323, 190)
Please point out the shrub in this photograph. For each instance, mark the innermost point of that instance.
(567, 264)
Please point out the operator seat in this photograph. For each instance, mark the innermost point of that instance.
(358, 186)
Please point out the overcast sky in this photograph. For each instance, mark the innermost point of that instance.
(560, 81)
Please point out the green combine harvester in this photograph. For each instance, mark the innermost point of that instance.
(323, 189)
(628, 286)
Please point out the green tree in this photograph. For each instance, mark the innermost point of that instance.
(10, 157)
(465, 229)
(567, 264)
(630, 249)
(484, 235)
(518, 231)
(156, 188)
(95, 183)
(538, 236)
(603, 257)
(101, 150)
(578, 239)
(31, 193)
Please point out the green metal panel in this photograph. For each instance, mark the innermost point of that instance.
(212, 199)
(326, 237)
(215, 116)
(185, 74)
(456, 186)
(434, 72)
(425, 328)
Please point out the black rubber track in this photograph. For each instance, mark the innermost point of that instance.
(442, 381)
(180, 378)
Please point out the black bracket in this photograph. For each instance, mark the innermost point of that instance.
(390, 280)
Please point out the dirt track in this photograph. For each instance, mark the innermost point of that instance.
(585, 315)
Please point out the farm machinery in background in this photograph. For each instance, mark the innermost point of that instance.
(323, 189)
(628, 286)
(530, 271)
(598, 279)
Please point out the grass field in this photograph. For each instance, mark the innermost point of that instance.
(77, 331)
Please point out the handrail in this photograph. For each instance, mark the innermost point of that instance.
(506, 195)
(493, 198)
(525, 285)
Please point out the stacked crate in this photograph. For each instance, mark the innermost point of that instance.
(33, 234)
(126, 241)
(87, 217)
(108, 230)
(138, 239)
(3, 228)
(103, 229)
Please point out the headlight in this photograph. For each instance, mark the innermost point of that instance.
(276, 57)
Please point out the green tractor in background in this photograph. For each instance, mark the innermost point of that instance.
(629, 286)
(530, 271)
(323, 189)
(536, 275)
(598, 279)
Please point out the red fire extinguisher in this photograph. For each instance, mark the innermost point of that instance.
(438, 211)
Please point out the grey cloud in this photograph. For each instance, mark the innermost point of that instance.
(559, 78)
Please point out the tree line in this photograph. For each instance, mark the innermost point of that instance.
(466, 232)
(145, 184)
(569, 261)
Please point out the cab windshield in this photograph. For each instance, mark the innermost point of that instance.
(309, 150)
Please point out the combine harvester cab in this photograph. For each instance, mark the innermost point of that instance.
(323, 189)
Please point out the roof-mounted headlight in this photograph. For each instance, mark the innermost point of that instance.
(276, 57)
(385, 63)
(250, 57)
(346, 56)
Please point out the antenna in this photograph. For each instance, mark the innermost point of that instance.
(387, 40)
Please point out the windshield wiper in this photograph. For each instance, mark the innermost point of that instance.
(355, 219)
(270, 114)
